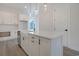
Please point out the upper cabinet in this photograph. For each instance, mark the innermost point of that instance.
(23, 17)
(8, 18)
(23, 22)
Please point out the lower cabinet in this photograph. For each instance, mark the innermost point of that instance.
(30, 44)
(44, 47)
(34, 45)
(38, 46)
(25, 42)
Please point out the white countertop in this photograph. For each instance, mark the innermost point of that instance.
(48, 35)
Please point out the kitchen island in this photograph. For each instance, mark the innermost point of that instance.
(42, 44)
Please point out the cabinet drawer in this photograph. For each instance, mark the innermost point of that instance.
(34, 37)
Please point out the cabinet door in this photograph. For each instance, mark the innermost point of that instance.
(13, 18)
(44, 47)
(21, 38)
(1, 17)
(34, 46)
(22, 41)
(8, 18)
(26, 43)
(74, 27)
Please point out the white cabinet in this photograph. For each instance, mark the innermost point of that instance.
(23, 17)
(13, 18)
(1, 18)
(34, 45)
(51, 47)
(22, 41)
(30, 44)
(25, 42)
(44, 47)
(8, 18)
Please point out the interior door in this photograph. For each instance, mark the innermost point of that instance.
(61, 21)
(74, 28)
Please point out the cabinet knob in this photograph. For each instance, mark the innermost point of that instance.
(66, 29)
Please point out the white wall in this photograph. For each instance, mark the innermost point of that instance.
(67, 16)
(46, 18)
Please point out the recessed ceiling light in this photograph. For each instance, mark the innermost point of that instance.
(45, 5)
(25, 7)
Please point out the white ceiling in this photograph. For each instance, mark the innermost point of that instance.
(18, 7)
(15, 7)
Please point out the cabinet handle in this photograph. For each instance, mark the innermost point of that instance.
(32, 41)
(32, 37)
(23, 38)
(39, 41)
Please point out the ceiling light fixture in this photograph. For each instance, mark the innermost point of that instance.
(45, 5)
(25, 7)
